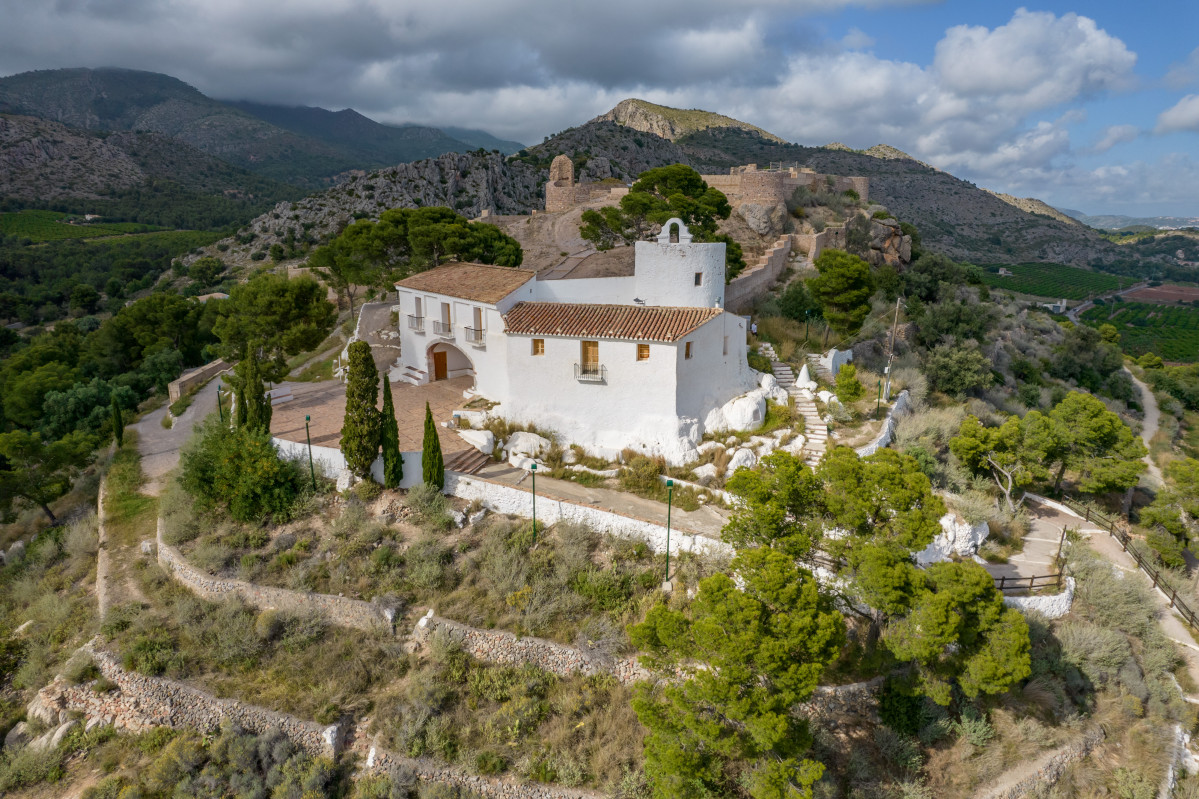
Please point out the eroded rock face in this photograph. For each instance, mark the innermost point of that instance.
(765, 220)
(957, 537)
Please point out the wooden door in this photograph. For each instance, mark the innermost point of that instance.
(589, 354)
(440, 372)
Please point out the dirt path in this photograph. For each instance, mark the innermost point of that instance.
(159, 447)
(1149, 429)
(102, 564)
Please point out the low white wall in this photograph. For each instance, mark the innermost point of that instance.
(519, 502)
(331, 463)
(1052, 606)
(887, 434)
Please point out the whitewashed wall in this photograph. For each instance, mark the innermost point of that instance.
(331, 463)
(519, 502)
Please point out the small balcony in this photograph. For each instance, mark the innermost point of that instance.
(590, 373)
(443, 329)
(416, 323)
(475, 335)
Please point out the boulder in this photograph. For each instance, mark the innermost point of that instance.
(742, 457)
(795, 445)
(39, 710)
(708, 446)
(957, 537)
(482, 440)
(61, 733)
(17, 737)
(825, 396)
(522, 443)
(570, 456)
(705, 474)
(740, 413)
(805, 379)
(518, 461)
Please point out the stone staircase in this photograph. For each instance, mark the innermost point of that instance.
(468, 461)
(815, 430)
(817, 368)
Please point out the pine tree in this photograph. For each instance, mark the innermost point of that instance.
(389, 439)
(118, 424)
(431, 463)
(360, 432)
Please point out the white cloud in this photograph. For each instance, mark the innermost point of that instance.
(1184, 73)
(1035, 61)
(1113, 135)
(856, 39)
(1184, 115)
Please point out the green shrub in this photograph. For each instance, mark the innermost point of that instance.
(80, 668)
(488, 762)
(367, 490)
(150, 653)
(431, 506)
(760, 362)
(849, 388)
(974, 728)
(641, 475)
(607, 589)
(239, 469)
(900, 709)
(1167, 547)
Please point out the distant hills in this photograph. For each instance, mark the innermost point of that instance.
(105, 131)
(1119, 222)
(306, 147)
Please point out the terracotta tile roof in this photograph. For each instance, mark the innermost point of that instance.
(576, 320)
(477, 282)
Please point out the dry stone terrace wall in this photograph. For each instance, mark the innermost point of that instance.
(343, 612)
(1052, 771)
(380, 760)
(497, 646)
(141, 702)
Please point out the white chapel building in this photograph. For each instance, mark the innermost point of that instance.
(650, 360)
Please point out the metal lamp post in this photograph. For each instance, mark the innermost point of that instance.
(533, 469)
(878, 405)
(311, 468)
(669, 497)
(219, 408)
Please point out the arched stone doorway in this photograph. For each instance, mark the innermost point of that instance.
(445, 362)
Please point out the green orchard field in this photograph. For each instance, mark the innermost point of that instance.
(47, 226)
(1054, 281)
(1167, 330)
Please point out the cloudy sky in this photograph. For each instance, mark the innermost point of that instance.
(1093, 106)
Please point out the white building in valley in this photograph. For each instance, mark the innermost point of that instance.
(648, 360)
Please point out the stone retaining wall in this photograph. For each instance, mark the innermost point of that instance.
(489, 788)
(507, 499)
(139, 702)
(194, 377)
(343, 612)
(498, 646)
(1052, 771)
(747, 287)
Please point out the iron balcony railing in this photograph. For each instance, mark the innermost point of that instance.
(416, 323)
(474, 335)
(443, 328)
(590, 373)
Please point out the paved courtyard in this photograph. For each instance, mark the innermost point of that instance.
(325, 402)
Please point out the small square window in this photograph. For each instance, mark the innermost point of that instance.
(643, 352)
(687, 351)
(539, 346)
(699, 278)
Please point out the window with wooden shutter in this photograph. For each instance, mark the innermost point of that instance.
(643, 352)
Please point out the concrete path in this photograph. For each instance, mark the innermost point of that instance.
(1150, 426)
(1038, 557)
(706, 521)
(1110, 549)
(159, 447)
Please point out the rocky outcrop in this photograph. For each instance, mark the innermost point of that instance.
(765, 220)
(672, 123)
(467, 182)
(41, 160)
(888, 244)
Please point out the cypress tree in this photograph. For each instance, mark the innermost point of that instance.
(118, 424)
(431, 463)
(360, 432)
(389, 439)
(253, 405)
